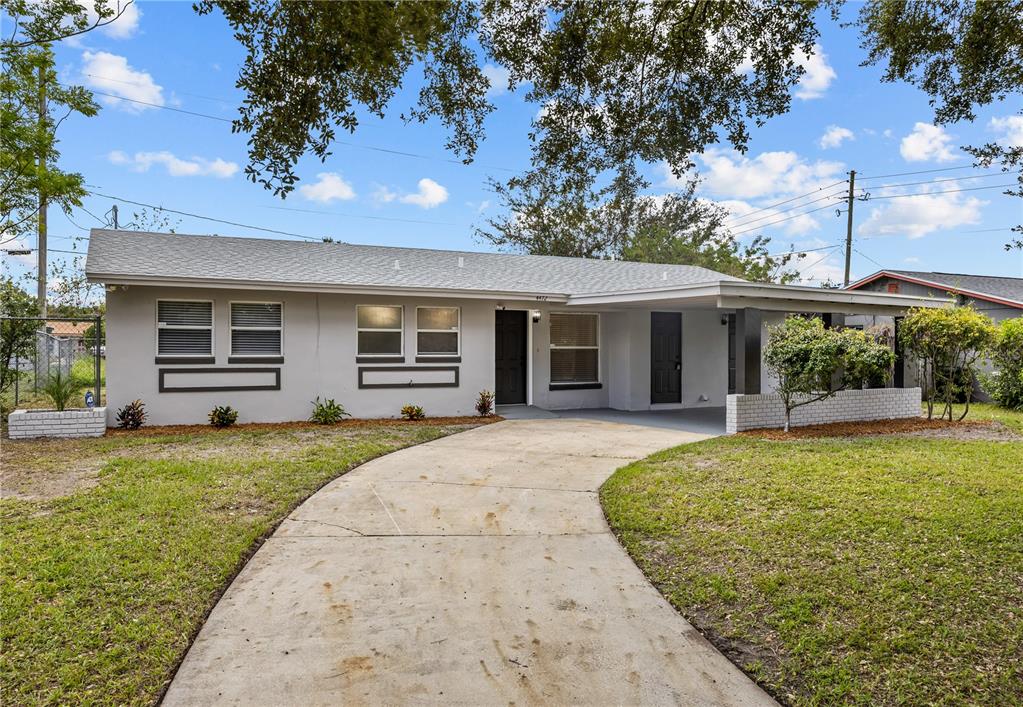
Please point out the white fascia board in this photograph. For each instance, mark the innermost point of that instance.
(703, 289)
(809, 297)
(222, 284)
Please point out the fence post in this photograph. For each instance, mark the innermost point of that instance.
(17, 376)
(96, 330)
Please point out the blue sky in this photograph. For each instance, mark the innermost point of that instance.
(842, 118)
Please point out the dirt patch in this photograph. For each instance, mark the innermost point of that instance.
(966, 430)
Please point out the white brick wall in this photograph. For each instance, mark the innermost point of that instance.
(22, 424)
(749, 412)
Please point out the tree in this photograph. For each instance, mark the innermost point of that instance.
(17, 338)
(36, 23)
(962, 54)
(813, 363)
(946, 344)
(1005, 384)
(560, 216)
(32, 107)
(615, 82)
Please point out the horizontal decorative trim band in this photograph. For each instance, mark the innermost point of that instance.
(187, 379)
(408, 377)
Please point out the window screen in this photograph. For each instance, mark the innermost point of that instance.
(184, 328)
(256, 328)
(437, 331)
(574, 348)
(379, 330)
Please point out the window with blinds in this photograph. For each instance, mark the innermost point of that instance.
(437, 331)
(575, 350)
(257, 329)
(379, 330)
(184, 328)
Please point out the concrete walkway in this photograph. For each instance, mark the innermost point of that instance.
(475, 569)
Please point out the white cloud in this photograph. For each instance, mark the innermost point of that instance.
(175, 166)
(835, 136)
(912, 260)
(383, 195)
(814, 270)
(498, 77)
(728, 174)
(430, 194)
(484, 205)
(124, 27)
(927, 142)
(818, 73)
(328, 187)
(920, 214)
(1009, 128)
(744, 215)
(21, 244)
(111, 73)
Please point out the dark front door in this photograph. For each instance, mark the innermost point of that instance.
(510, 348)
(665, 357)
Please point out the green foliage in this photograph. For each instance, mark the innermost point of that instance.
(132, 416)
(1005, 384)
(812, 362)
(327, 412)
(413, 412)
(962, 54)
(42, 23)
(25, 137)
(62, 389)
(946, 344)
(485, 403)
(17, 338)
(223, 416)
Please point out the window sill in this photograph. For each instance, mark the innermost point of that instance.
(255, 359)
(380, 359)
(438, 359)
(186, 359)
(576, 386)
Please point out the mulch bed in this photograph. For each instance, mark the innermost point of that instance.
(157, 430)
(871, 427)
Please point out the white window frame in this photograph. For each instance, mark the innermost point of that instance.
(554, 347)
(457, 331)
(400, 330)
(212, 327)
(231, 327)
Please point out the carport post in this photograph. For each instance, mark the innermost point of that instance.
(748, 322)
(96, 335)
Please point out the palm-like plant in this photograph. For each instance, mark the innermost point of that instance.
(61, 389)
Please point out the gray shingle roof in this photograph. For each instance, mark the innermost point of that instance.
(139, 255)
(1010, 288)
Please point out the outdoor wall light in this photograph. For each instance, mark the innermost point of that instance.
(536, 316)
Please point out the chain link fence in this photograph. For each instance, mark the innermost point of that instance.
(37, 353)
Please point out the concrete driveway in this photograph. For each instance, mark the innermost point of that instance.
(475, 569)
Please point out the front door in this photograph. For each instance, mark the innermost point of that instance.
(510, 364)
(665, 357)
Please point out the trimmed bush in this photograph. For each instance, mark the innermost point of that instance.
(485, 403)
(1005, 385)
(413, 412)
(132, 416)
(223, 416)
(327, 412)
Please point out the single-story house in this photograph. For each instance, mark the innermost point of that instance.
(71, 332)
(266, 326)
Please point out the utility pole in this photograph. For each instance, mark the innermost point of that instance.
(849, 226)
(41, 166)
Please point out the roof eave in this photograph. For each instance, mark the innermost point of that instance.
(936, 285)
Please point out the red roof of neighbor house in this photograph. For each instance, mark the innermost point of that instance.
(68, 329)
(1002, 290)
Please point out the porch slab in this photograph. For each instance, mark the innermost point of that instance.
(706, 420)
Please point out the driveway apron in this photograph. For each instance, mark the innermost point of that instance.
(474, 569)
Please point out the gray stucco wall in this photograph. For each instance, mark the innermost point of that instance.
(319, 344)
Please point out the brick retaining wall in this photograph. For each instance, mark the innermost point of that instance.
(22, 424)
(748, 412)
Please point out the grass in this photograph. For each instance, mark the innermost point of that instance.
(105, 582)
(881, 570)
(1013, 419)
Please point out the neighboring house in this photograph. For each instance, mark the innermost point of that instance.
(268, 325)
(73, 333)
(997, 297)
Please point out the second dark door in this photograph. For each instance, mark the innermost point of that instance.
(510, 356)
(665, 357)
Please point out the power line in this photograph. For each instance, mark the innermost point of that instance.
(208, 218)
(869, 258)
(782, 211)
(157, 105)
(183, 93)
(939, 181)
(805, 250)
(787, 218)
(809, 193)
(945, 191)
(922, 171)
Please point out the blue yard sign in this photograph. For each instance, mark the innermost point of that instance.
(90, 401)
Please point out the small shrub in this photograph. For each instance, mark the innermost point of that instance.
(413, 412)
(62, 389)
(132, 416)
(485, 403)
(1005, 384)
(223, 416)
(327, 412)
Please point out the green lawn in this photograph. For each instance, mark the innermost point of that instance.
(106, 574)
(880, 570)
